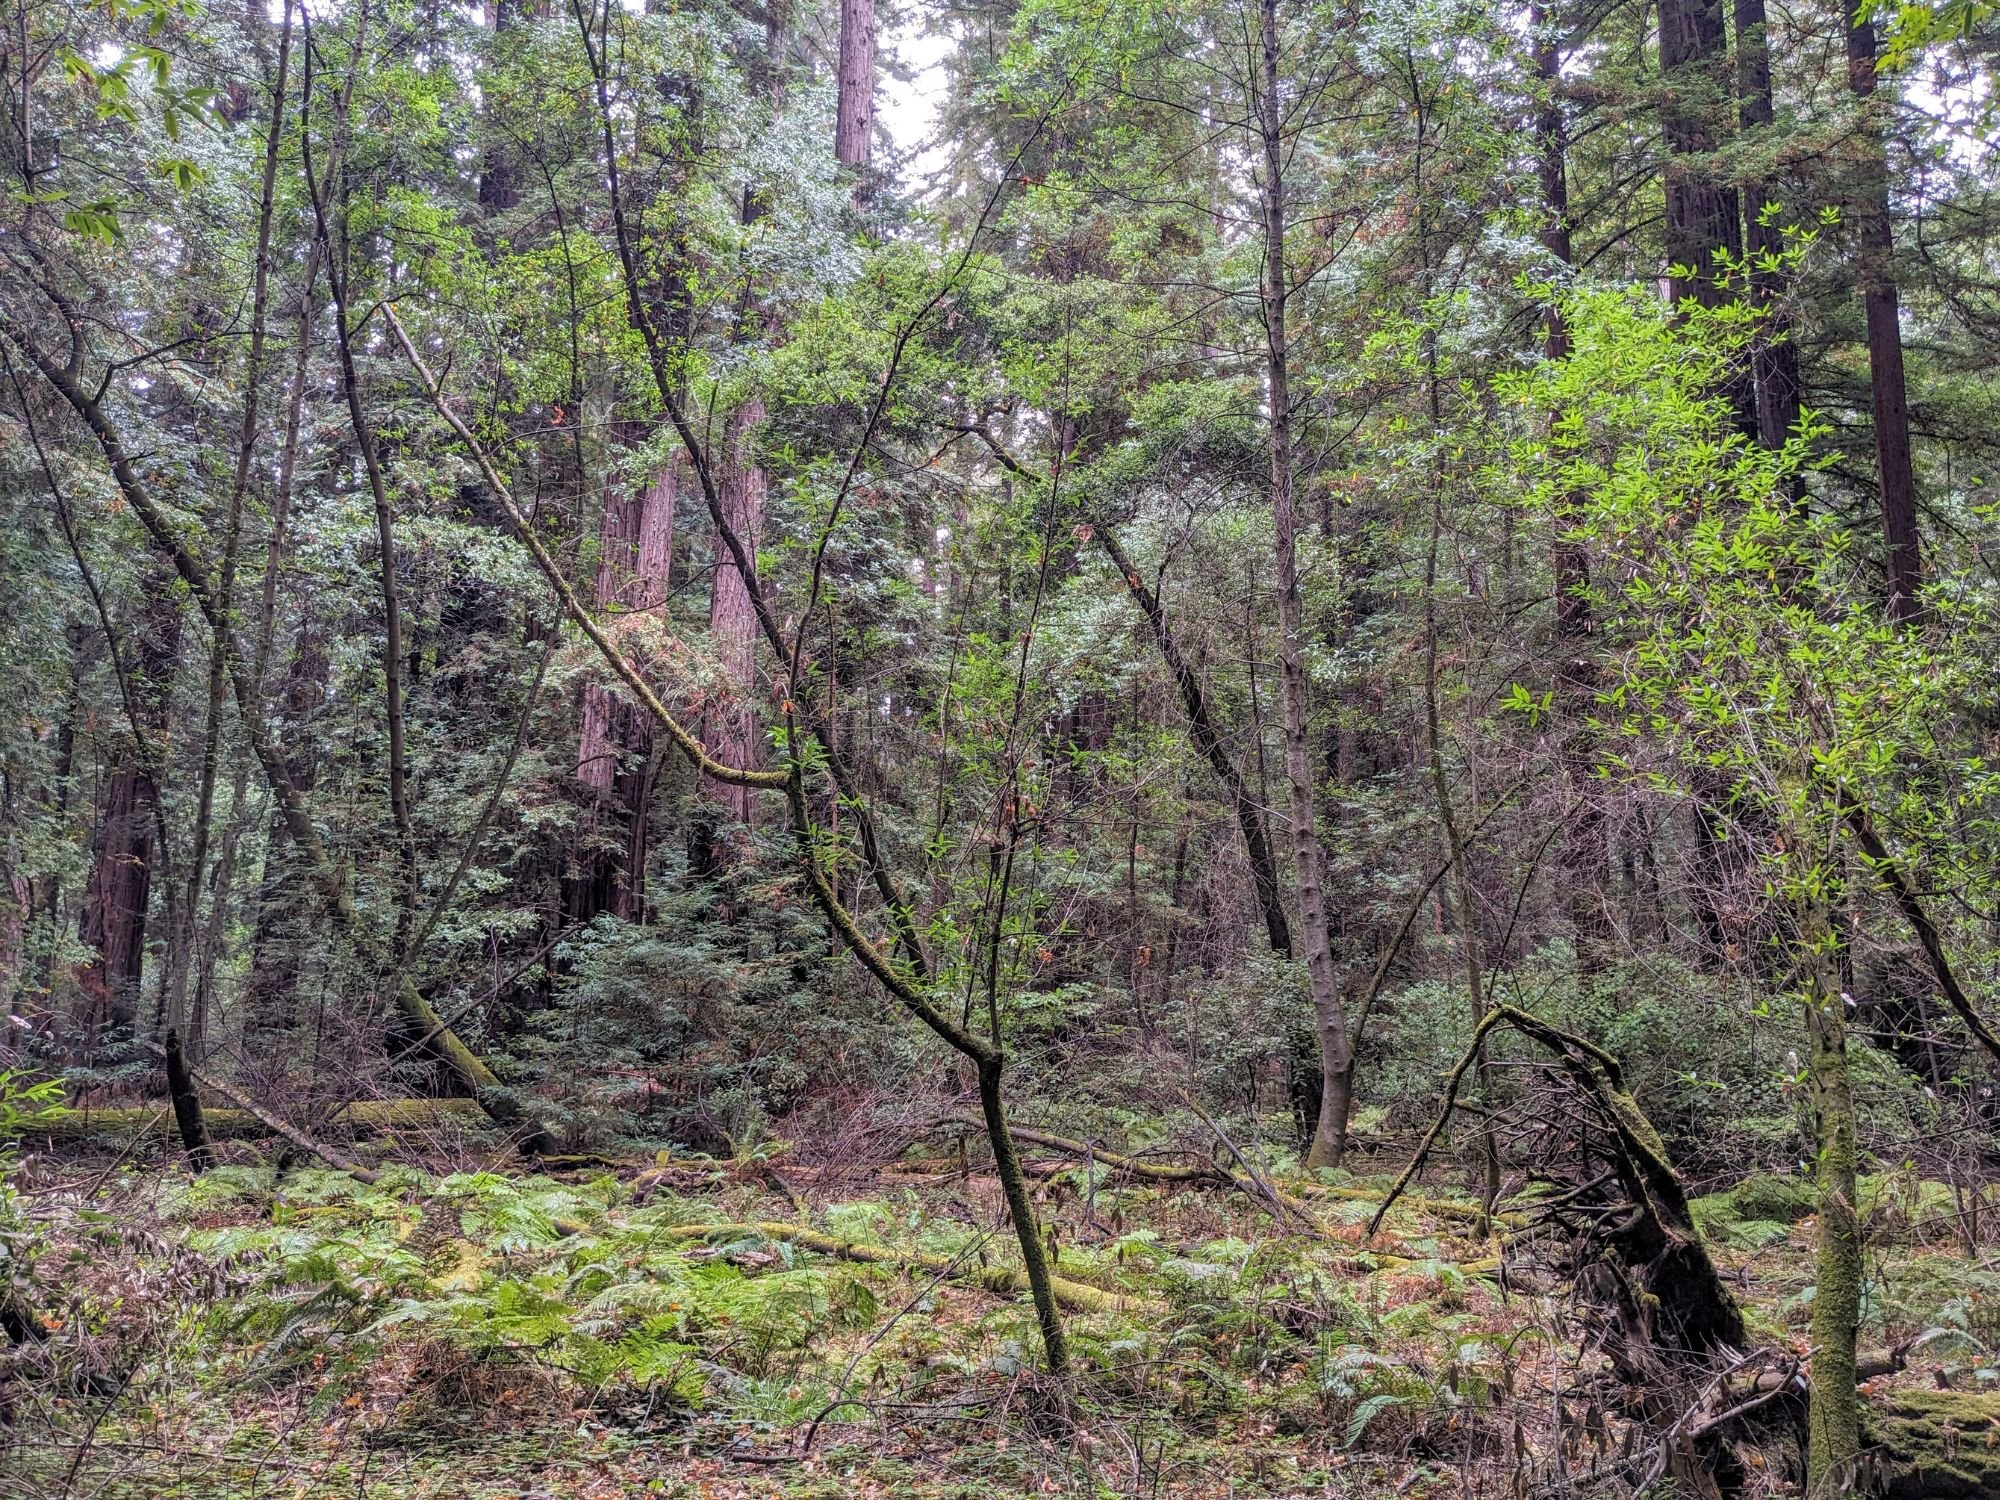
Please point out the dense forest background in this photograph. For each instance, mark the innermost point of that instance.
(1328, 587)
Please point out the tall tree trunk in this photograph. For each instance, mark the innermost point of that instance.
(1888, 394)
(182, 959)
(730, 727)
(1584, 852)
(1308, 858)
(1470, 956)
(854, 110)
(615, 752)
(126, 848)
(1774, 357)
(328, 193)
(1704, 224)
(1701, 208)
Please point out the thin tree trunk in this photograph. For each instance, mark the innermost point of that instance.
(1461, 881)
(371, 461)
(1308, 858)
(1833, 1413)
(175, 1007)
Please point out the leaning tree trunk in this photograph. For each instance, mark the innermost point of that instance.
(1671, 1301)
(1202, 726)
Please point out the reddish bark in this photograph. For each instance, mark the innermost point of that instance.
(115, 901)
(729, 728)
(615, 760)
(854, 113)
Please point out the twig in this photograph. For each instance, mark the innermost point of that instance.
(1280, 1207)
(280, 1127)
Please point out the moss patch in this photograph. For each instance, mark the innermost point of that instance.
(1939, 1445)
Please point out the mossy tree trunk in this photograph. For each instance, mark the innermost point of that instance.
(1833, 1417)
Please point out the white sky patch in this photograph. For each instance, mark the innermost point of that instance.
(908, 108)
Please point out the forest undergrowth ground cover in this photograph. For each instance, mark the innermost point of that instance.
(777, 1327)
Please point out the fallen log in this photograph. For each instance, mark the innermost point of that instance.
(370, 1117)
(1933, 1445)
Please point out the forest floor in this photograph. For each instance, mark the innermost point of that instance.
(459, 1330)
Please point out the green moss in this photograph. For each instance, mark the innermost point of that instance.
(1938, 1445)
(1783, 1200)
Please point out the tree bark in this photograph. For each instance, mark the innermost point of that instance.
(615, 753)
(854, 109)
(127, 846)
(1308, 858)
(1701, 209)
(115, 900)
(1889, 397)
(730, 729)
(1774, 357)
(1833, 1412)
(1584, 854)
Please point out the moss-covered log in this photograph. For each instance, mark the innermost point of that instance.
(370, 1117)
(1934, 1445)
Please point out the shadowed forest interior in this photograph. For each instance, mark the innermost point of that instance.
(801, 748)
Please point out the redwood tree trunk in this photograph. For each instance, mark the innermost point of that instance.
(730, 726)
(1774, 358)
(1889, 397)
(115, 901)
(854, 116)
(615, 760)
(126, 847)
(1701, 208)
